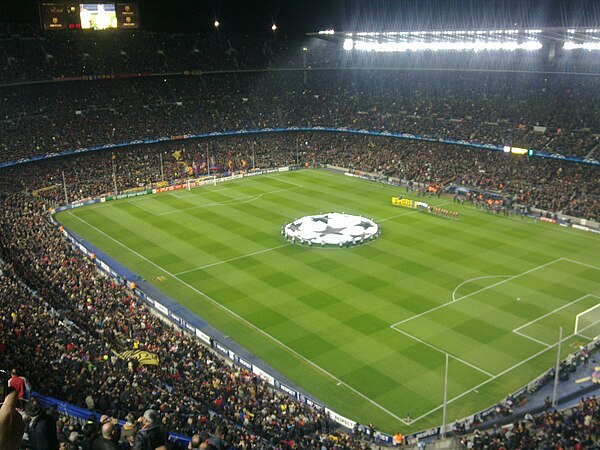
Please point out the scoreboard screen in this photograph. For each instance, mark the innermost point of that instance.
(97, 16)
(89, 16)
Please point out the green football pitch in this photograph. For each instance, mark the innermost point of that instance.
(366, 330)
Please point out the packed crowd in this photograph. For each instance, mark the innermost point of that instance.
(575, 429)
(491, 107)
(546, 184)
(62, 323)
(61, 320)
(552, 113)
(28, 54)
(56, 306)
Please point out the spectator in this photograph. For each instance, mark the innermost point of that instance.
(11, 422)
(195, 442)
(128, 431)
(17, 383)
(41, 428)
(151, 435)
(106, 440)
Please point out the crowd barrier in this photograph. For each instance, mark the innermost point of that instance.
(83, 415)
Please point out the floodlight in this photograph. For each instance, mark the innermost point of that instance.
(583, 46)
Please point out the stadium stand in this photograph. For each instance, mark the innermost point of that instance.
(61, 319)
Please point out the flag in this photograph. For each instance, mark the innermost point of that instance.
(177, 155)
(143, 357)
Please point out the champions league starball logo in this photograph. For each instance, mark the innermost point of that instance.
(332, 229)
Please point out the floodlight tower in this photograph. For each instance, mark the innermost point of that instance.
(304, 52)
(274, 29)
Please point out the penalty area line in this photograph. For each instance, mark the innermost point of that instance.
(245, 321)
(464, 297)
(443, 352)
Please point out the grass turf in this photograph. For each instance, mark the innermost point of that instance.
(364, 329)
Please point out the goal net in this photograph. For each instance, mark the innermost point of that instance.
(587, 323)
(202, 181)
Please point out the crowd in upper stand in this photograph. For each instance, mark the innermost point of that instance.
(496, 109)
(487, 107)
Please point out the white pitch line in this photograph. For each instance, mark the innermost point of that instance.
(284, 181)
(582, 263)
(476, 292)
(233, 259)
(566, 305)
(475, 388)
(444, 352)
(242, 319)
(141, 207)
(489, 380)
(475, 279)
(233, 201)
(532, 339)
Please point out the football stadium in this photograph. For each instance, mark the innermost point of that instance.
(295, 225)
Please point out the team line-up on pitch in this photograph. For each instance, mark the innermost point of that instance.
(415, 204)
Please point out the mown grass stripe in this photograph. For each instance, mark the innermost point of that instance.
(334, 306)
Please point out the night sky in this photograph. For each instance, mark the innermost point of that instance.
(296, 17)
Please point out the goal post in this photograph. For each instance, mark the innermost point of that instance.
(202, 181)
(588, 322)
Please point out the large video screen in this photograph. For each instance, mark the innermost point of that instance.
(58, 15)
(97, 16)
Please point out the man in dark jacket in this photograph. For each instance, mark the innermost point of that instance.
(106, 440)
(151, 436)
(42, 427)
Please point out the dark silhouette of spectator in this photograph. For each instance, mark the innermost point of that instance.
(41, 428)
(106, 440)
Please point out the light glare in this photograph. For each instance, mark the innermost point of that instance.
(476, 46)
(569, 45)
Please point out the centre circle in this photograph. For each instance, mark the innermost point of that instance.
(331, 229)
